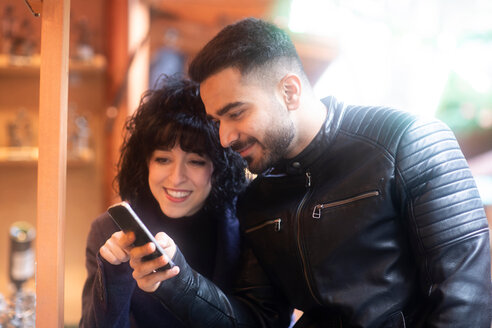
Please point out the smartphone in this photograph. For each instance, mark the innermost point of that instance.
(127, 220)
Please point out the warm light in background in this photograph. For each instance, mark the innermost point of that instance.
(429, 57)
(400, 53)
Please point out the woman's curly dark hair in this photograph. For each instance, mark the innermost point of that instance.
(175, 115)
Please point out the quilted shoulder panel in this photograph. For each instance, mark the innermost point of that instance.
(443, 199)
(380, 125)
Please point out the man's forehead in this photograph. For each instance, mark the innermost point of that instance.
(217, 90)
(223, 78)
(207, 101)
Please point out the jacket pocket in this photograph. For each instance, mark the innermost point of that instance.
(275, 223)
(318, 208)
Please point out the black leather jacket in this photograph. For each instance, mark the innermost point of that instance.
(377, 223)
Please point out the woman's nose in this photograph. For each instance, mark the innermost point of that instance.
(178, 173)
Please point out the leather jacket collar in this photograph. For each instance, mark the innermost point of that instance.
(301, 162)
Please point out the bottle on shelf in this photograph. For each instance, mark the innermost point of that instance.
(22, 304)
(21, 256)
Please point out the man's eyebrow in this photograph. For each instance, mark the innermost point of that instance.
(228, 107)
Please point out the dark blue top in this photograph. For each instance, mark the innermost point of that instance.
(111, 297)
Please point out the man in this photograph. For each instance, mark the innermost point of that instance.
(359, 216)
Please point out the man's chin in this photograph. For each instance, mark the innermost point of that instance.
(255, 167)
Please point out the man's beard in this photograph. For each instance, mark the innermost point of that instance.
(274, 147)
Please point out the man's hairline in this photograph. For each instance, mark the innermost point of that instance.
(246, 76)
(280, 61)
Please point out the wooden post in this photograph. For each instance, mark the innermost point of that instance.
(50, 224)
(117, 58)
(139, 46)
(128, 65)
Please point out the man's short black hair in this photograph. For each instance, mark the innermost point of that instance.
(246, 45)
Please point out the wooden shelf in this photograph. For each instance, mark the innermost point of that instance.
(18, 154)
(28, 156)
(29, 66)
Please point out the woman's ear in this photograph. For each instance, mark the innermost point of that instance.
(290, 88)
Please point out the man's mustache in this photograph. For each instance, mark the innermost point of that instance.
(238, 145)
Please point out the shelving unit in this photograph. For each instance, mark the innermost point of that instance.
(20, 74)
(19, 88)
(63, 225)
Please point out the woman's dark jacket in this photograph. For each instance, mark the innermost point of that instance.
(111, 297)
(377, 223)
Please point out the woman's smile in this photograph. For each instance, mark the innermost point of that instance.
(177, 195)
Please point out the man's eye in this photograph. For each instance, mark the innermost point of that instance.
(236, 114)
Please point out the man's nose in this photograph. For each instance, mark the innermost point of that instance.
(227, 135)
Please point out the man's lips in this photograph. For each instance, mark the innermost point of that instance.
(243, 149)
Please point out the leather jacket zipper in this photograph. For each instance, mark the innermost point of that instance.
(276, 225)
(317, 209)
(298, 216)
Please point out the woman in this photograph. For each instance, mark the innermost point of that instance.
(179, 180)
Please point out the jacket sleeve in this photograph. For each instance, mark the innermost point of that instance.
(197, 302)
(448, 228)
(108, 288)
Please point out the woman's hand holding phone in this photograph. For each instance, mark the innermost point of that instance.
(117, 248)
(145, 272)
(149, 257)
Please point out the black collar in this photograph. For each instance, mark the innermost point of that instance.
(300, 163)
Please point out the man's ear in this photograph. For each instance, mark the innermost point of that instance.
(290, 88)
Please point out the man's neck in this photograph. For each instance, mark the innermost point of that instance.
(310, 121)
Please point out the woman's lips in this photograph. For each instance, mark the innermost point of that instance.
(177, 195)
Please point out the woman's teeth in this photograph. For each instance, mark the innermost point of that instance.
(177, 194)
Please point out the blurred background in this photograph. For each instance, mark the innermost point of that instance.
(429, 57)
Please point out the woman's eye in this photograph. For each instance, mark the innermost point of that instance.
(161, 160)
(198, 162)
